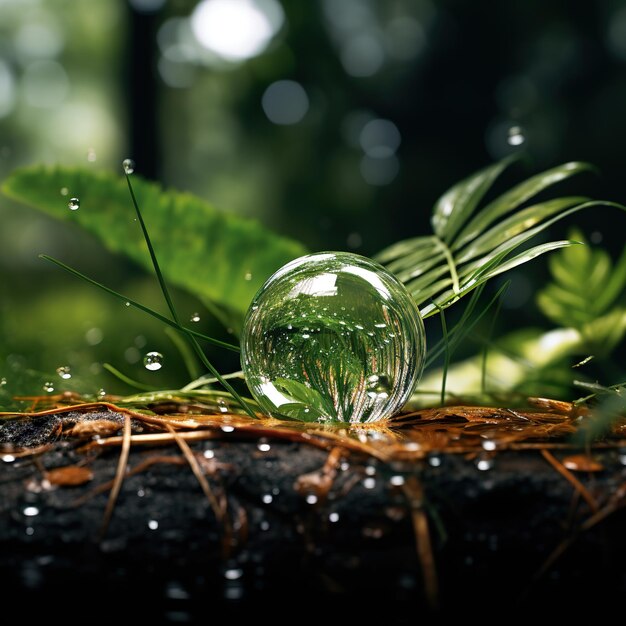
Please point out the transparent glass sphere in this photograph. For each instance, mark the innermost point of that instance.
(332, 336)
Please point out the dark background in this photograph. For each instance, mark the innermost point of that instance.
(464, 82)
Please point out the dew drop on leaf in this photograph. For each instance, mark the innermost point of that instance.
(73, 204)
(153, 361)
(64, 372)
(128, 165)
(48, 387)
(195, 317)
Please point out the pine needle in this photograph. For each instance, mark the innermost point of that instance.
(119, 478)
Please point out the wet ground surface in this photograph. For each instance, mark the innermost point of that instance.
(348, 558)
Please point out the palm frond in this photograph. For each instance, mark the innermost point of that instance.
(470, 245)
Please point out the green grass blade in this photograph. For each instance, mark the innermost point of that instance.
(170, 304)
(137, 305)
(446, 358)
(127, 379)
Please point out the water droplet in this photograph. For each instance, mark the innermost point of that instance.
(128, 165)
(30, 531)
(247, 276)
(227, 429)
(397, 480)
(344, 466)
(48, 387)
(91, 155)
(31, 511)
(141, 493)
(73, 204)
(101, 393)
(489, 444)
(369, 482)
(64, 372)
(285, 360)
(127, 303)
(434, 460)
(195, 317)
(208, 454)
(263, 446)
(8, 458)
(221, 405)
(3, 381)
(267, 498)
(153, 361)
(64, 191)
(311, 498)
(153, 524)
(484, 463)
(233, 574)
(333, 517)
(515, 136)
(264, 525)
(370, 470)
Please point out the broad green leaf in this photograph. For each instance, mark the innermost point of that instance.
(458, 203)
(515, 197)
(218, 257)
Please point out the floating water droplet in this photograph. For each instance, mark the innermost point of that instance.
(397, 480)
(434, 460)
(153, 524)
(64, 372)
(195, 317)
(516, 136)
(208, 454)
(311, 498)
(73, 204)
(101, 393)
(141, 493)
(265, 525)
(369, 482)
(489, 445)
(333, 517)
(128, 165)
(3, 381)
(233, 574)
(370, 470)
(344, 466)
(267, 498)
(31, 511)
(30, 531)
(153, 361)
(8, 458)
(64, 191)
(247, 276)
(343, 293)
(48, 387)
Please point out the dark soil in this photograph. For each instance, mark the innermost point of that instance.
(349, 559)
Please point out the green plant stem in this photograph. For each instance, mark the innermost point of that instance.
(126, 379)
(141, 307)
(446, 360)
(173, 312)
